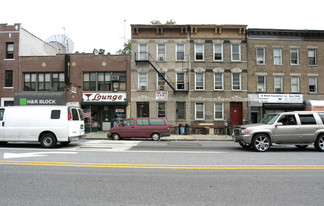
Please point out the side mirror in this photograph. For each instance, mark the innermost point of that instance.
(279, 124)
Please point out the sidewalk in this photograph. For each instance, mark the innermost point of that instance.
(173, 137)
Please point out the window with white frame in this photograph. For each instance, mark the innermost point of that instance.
(10, 50)
(161, 109)
(218, 52)
(261, 84)
(180, 78)
(142, 81)
(180, 51)
(295, 84)
(312, 81)
(236, 52)
(181, 110)
(277, 56)
(200, 81)
(260, 55)
(161, 52)
(219, 111)
(294, 56)
(200, 111)
(199, 52)
(218, 81)
(311, 56)
(161, 82)
(278, 84)
(236, 81)
(143, 52)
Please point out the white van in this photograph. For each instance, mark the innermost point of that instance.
(45, 124)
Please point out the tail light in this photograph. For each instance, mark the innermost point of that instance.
(69, 116)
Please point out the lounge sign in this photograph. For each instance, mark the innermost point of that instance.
(104, 97)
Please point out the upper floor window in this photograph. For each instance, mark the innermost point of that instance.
(142, 81)
(219, 111)
(260, 54)
(261, 84)
(104, 81)
(199, 52)
(180, 50)
(161, 82)
(180, 80)
(236, 81)
(294, 84)
(312, 82)
(161, 52)
(312, 57)
(236, 52)
(200, 111)
(278, 84)
(10, 51)
(200, 81)
(218, 81)
(218, 52)
(277, 56)
(8, 78)
(161, 109)
(143, 52)
(44, 81)
(294, 56)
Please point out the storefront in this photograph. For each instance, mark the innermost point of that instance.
(46, 98)
(261, 104)
(103, 111)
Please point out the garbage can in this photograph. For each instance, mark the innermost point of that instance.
(176, 130)
(182, 128)
(187, 129)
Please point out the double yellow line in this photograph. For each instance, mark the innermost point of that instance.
(165, 166)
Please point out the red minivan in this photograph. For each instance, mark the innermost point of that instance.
(140, 127)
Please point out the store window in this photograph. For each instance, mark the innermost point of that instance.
(143, 109)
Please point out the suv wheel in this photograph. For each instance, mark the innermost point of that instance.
(261, 143)
(319, 143)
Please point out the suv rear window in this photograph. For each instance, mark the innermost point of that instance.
(307, 119)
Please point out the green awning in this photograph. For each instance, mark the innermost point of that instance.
(104, 103)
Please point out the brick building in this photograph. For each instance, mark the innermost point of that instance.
(190, 74)
(285, 70)
(100, 84)
(16, 42)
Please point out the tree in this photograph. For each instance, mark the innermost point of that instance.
(98, 52)
(170, 22)
(126, 50)
(155, 22)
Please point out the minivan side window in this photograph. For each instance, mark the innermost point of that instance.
(307, 119)
(1, 114)
(55, 114)
(157, 122)
(128, 122)
(142, 122)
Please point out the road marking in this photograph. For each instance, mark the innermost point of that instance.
(32, 154)
(164, 166)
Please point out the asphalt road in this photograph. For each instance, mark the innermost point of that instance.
(159, 173)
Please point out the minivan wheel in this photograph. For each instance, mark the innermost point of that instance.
(319, 143)
(261, 143)
(155, 137)
(48, 140)
(115, 136)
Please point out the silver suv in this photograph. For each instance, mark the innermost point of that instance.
(300, 128)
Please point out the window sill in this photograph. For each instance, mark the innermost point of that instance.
(9, 59)
(8, 88)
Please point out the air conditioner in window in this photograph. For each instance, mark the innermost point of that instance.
(260, 89)
(278, 90)
(115, 78)
(161, 87)
(143, 88)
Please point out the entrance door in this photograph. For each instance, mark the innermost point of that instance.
(143, 109)
(236, 113)
(254, 117)
(106, 121)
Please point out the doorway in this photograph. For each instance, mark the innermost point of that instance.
(236, 113)
(143, 109)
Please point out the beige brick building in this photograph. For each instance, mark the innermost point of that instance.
(190, 74)
(285, 70)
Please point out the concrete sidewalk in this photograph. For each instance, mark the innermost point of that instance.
(173, 137)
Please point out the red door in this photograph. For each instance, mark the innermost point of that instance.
(236, 113)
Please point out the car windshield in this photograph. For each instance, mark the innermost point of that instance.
(270, 118)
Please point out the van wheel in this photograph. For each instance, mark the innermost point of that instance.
(155, 137)
(48, 140)
(115, 136)
(319, 143)
(261, 143)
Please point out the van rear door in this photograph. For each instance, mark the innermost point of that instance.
(2, 137)
(75, 122)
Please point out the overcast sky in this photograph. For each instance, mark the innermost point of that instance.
(100, 23)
